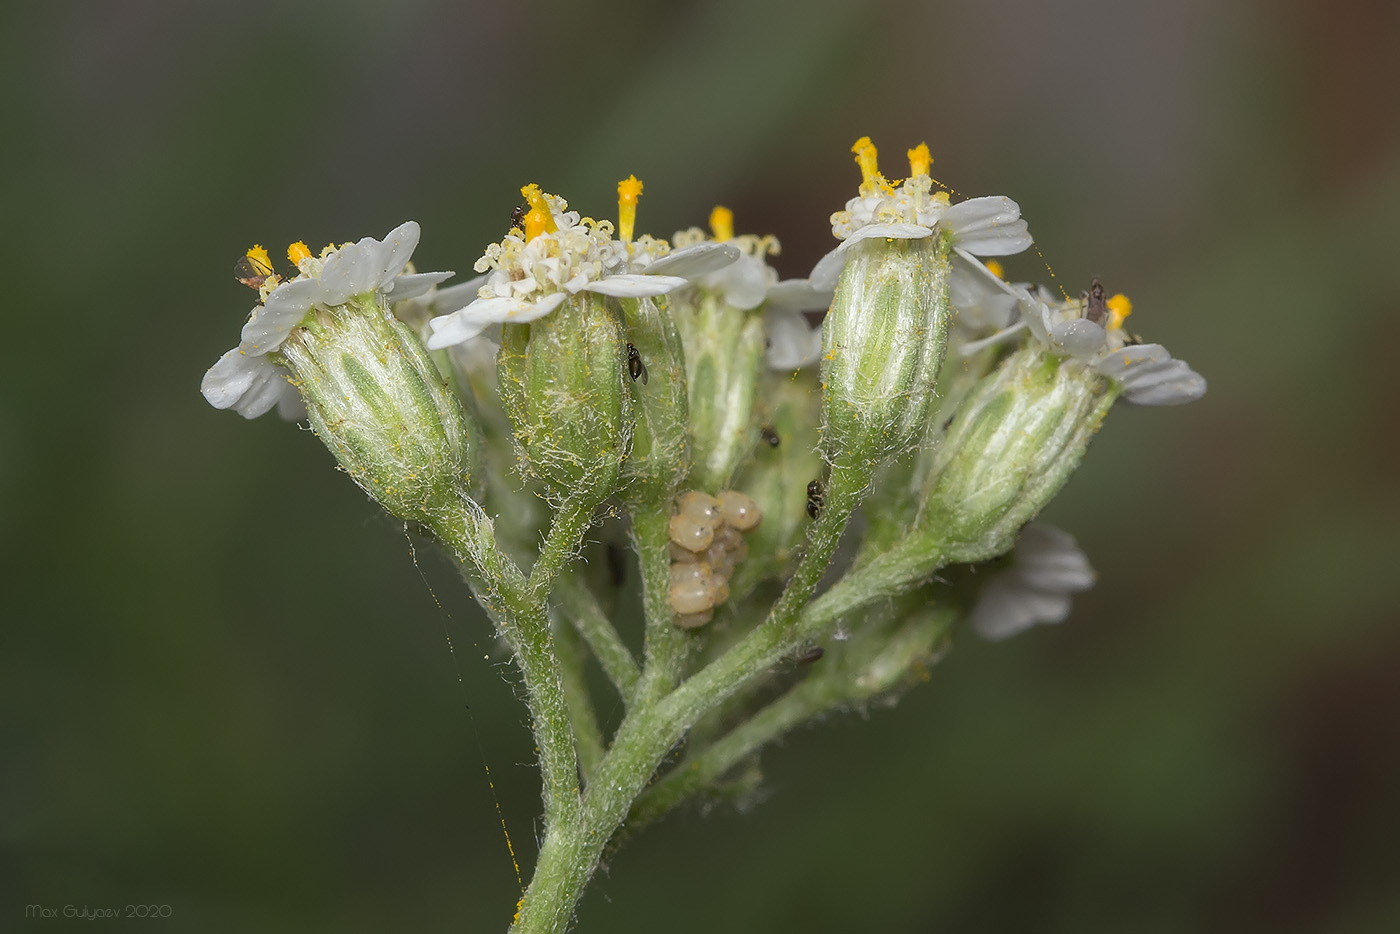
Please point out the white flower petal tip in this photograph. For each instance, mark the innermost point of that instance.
(1077, 337)
(1150, 376)
(989, 226)
(1046, 568)
(636, 285)
(396, 250)
(413, 285)
(827, 272)
(694, 261)
(469, 322)
(250, 385)
(799, 295)
(897, 231)
(828, 268)
(792, 343)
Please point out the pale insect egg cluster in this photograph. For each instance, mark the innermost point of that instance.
(706, 545)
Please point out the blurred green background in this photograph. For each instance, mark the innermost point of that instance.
(228, 685)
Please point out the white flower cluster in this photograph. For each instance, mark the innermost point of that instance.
(530, 273)
(245, 380)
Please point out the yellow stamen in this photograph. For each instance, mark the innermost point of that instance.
(297, 252)
(866, 158)
(628, 191)
(919, 160)
(996, 269)
(722, 223)
(1118, 308)
(260, 260)
(540, 220)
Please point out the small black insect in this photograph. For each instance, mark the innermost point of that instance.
(635, 366)
(1098, 307)
(814, 498)
(811, 655)
(770, 436)
(517, 217)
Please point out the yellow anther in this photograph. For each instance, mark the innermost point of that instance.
(540, 219)
(867, 159)
(260, 260)
(297, 252)
(722, 223)
(995, 269)
(919, 160)
(1118, 308)
(628, 191)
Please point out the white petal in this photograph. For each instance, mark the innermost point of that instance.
(792, 343)
(695, 260)
(827, 272)
(396, 250)
(229, 378)
(889, 232)
(351, 270)
(1048, 559)
(250, 385)
(414, 284)
(744, 284)
(1005, 608)
(634, 285)
(1079, 338)
(463, 325)
(799, 295)
(292, 407)
(828, 268)
(989, 226)
(980, 299)
(1151, 377)
(457, 296)
(1036, 314)
(449, 330)
(1006, 334)
(271, 323)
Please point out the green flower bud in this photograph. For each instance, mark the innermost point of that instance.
(882, 345)
(660, 456)
(898, 491)
(724, 359)
(379, 403)
(564, 384)
(1012, 445)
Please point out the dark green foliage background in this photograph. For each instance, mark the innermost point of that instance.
(227, 688)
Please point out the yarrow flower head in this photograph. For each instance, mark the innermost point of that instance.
(245, 379)
(371, 392)
(1089, 330)
(534, 270)
(987, 226)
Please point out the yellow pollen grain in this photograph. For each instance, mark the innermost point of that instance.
(628, 191)
(540, 220)
(919, 160)
(1119, 307)
(722, 223)
(297, 252)
(261, 261)
(996, 269)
